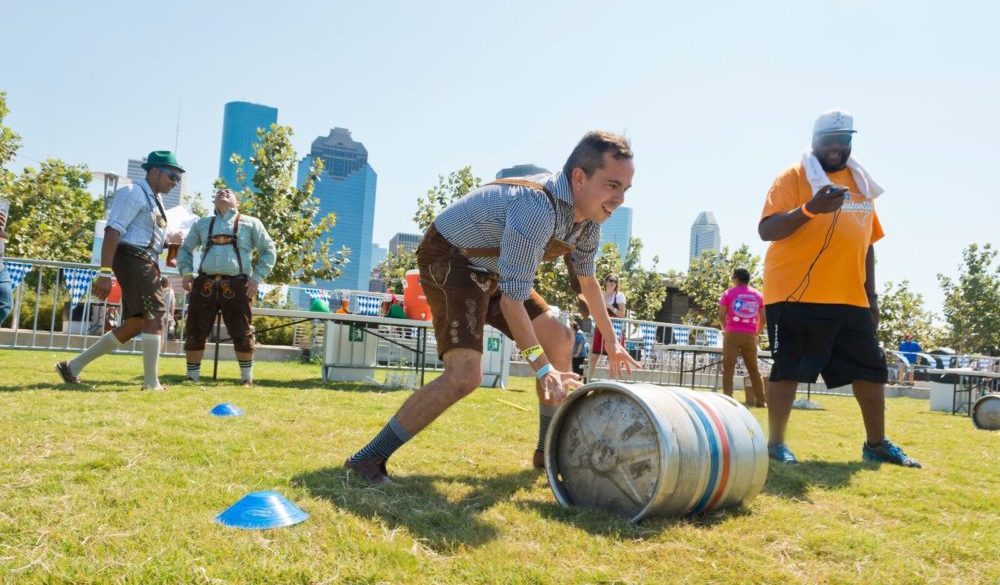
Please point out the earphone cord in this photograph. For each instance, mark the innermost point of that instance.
(826, 244)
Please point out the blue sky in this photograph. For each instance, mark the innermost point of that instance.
(716, 97)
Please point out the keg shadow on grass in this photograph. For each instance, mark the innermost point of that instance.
(601, 523)
(795, 481)
(442, 512)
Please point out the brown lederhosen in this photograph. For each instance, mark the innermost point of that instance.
(462, 298)
(219, 293)
(138, 275)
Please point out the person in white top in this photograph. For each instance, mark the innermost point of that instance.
(614, 300)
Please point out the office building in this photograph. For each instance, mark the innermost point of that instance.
(618, 230)
(346, 189)
(705, 234)
(239, 133)
(408, 242)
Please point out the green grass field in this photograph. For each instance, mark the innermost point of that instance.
(111, 484)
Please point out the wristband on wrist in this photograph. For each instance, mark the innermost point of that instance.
(105, 270)
(806, 212)
(532, 354)
(543, 370)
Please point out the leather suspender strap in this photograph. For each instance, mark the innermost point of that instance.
(210, 243)
(495, 252)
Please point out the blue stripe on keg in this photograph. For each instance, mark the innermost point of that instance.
(713, 447)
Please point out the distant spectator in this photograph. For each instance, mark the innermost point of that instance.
(614, 301)
(741, 313)
(909, 348)
(579, 348)
(6, 293)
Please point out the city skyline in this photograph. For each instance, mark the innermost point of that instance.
(618, 229)
(704, 94)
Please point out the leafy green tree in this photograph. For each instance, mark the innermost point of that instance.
(643, 288)
(196, 203)
(433, 202)
(289, 213)
(52, 214)
(646, 289)
(709, 276)
(900, 311)
(448, 189)
(972, 303)
(394, 267)
(10, 142)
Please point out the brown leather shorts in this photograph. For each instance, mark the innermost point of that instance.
(462, 299)
(139, 276)
(225, 294)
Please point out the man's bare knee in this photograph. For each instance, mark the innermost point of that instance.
(463, 370)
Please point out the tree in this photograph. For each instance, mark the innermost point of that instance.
(10, 142)
(290, 213)
(646, 291)
(643, 288)
(52, 215)
(433, 202)
(196, 203)
(393, 269)
(902, 310)
(972, 304)
(448, 189)
(709, 276)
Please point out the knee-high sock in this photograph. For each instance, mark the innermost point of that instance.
(106, 344)
(150, 359)
(545, 414)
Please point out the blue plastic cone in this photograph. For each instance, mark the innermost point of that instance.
(226, 409)
(260, 510)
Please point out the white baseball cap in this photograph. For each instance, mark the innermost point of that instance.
(834, 121)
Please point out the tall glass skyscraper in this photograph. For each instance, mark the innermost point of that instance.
(347, 189)
(705, 234)
(618, 229)
(239, 132)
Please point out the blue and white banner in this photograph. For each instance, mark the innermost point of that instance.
(318, 293)
(648, 338)
(681, 335)
(17, 271)
(77, 282)
(617, 324)
(712, 338)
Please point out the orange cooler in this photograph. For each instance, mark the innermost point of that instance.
(414, 300)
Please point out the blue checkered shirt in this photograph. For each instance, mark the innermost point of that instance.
(133, 215)
(520, 221)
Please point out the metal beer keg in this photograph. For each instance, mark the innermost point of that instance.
(639, 450)
(986, 412)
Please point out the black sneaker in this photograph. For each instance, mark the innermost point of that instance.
(887, 452)
(67, 373)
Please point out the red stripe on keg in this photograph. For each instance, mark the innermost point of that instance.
(720, 486)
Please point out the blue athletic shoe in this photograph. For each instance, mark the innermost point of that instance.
(887, 452)
(782, 453)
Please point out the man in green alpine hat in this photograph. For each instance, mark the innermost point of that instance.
(133, 240)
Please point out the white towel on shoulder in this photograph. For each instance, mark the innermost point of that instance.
(817, 176)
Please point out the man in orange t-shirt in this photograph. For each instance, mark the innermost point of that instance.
(819, 286)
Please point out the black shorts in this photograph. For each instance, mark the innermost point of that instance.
(837, 341)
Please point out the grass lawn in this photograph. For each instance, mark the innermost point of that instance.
(111, 484)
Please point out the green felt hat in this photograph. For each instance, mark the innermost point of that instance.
(162, 158)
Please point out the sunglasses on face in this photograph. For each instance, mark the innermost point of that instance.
(831, 139)
(173, 176)
(615, 280)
